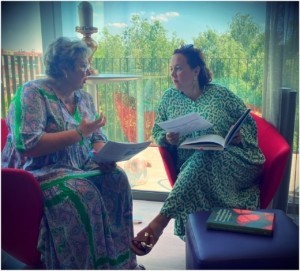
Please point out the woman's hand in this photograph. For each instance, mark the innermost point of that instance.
(104, 167)
(52, 142)
(88, 127)
(237, 138)
(172, 138)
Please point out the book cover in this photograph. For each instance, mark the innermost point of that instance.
(240, 220)
(212, 141)
(118, 151)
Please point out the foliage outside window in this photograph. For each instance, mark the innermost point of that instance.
(235, 57)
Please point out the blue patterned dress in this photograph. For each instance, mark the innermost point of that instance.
(87, 222)
(209, 179)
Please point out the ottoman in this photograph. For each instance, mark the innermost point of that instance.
(214, 249)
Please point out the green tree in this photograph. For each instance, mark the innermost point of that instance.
(110, 46)
(146, 39)
(247, 33)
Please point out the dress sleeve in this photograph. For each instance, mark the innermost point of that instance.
(29, 117)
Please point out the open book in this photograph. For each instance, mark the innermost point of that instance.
(185, 124)
(214, 142)
(118, 151)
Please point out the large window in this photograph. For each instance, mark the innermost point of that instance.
(138, 37)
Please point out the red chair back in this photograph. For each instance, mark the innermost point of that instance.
(277, 151)
(21, 212)
(274, 147)
(4, 133)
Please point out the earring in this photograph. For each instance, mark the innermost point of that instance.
(66, 75)
(195, 81)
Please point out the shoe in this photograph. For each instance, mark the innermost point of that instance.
(142, 248)
(140, 267)
(145, 240)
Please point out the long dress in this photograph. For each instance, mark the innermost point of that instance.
(87, 221)
(209, 179)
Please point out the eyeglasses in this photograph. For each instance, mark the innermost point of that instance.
(187, 46)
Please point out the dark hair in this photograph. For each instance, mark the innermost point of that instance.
(63, 54)
(196, 58)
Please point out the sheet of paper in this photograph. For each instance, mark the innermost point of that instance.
(185, 124)
(117, 151)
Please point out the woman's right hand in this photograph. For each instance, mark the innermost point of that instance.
(52, 142)
(172, 138)
(88, 127)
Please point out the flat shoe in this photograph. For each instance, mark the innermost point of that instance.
(142, 248)
(140, 267)
(139, 249)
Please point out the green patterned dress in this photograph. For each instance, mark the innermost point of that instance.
(87, 222)
(208, 179)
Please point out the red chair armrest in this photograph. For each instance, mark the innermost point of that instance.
(169, 164)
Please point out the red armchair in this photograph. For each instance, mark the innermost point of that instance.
(274, 147)
(21, 211)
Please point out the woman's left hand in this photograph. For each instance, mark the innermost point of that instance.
(107, 166)
(237, 138)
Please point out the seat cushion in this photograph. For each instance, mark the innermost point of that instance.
(212, 249)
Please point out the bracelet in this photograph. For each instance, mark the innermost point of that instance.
(77, 129)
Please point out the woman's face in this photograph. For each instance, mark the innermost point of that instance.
(78, 75)
(181, 73)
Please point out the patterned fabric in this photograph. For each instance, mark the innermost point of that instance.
(87, 222)
(209, 179)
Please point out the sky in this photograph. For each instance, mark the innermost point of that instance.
(20, 21)
(185, 18)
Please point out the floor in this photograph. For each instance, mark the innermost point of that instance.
(169, 251)
(146, 173)
(167, 254)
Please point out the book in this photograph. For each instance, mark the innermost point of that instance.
(212, 141)
(185, 124)
(118, 151)
(240, 220)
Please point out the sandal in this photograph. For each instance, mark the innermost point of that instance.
(148, 237)
(140, 267)
(142, 248)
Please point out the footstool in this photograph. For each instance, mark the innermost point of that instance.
(214, 249)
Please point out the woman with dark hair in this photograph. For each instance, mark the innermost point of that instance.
(87, 222)
(206, 179)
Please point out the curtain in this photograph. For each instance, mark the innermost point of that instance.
(281, 84)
